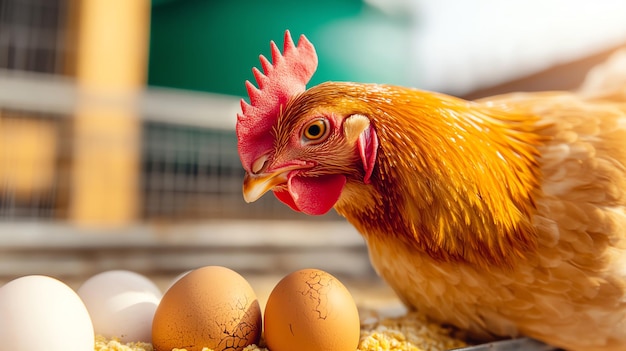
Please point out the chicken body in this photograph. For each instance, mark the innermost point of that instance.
(504, 217)
(565, 283)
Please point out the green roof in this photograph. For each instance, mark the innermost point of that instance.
(211, 46)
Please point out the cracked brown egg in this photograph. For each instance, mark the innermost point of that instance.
(212, 307)
(311, 310)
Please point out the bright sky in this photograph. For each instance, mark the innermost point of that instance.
(468, 44)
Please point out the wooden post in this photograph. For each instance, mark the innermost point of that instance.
(111, 72)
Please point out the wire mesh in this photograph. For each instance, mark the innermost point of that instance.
(34, 35)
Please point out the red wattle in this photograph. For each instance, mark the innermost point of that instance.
(284, 196)
(312, 195)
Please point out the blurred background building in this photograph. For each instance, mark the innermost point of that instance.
(117, 143)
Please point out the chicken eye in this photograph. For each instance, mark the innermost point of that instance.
(316, 130)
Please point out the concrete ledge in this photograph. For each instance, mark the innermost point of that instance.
(265, 247)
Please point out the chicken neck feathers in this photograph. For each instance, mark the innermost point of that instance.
(446, 166)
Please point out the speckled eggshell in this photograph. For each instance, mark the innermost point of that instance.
(311, 310)
(212, 307)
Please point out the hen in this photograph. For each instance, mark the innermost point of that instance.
(504, 216)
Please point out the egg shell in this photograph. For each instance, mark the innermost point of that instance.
(42, 313)
(310, 310)
(212, 307)
(121, 304)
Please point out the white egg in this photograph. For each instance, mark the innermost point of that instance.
(41, 313)
(121, 304)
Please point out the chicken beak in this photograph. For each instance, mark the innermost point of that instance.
(255, 185)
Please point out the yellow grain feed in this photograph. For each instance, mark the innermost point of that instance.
(410, 332)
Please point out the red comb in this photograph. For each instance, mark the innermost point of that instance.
(286, 77)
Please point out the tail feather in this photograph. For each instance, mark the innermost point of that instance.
(607, 81)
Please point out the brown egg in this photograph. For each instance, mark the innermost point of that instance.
(311, 310)
(210, 307)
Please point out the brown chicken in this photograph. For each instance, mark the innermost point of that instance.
(504, 216)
